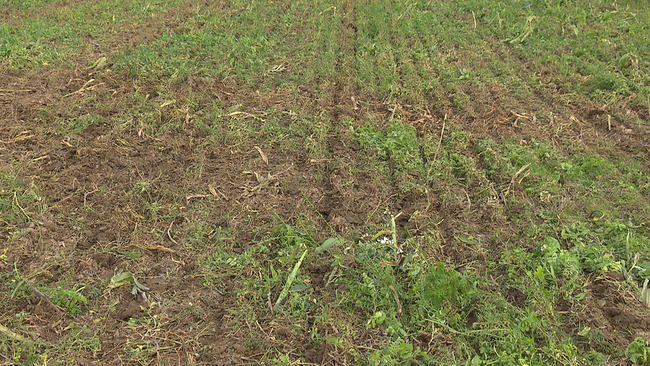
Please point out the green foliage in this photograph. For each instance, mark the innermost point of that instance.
(610, 82)
(440, 291)
(287, 236)
(280, 255)
(556, 261)
(588, 246)
(490, 157)
(82, 339)
(21, 353)
(71, 300)
(397, 144)
(289, 282)
(127, 278)
(42, 40)
(79, 124)
(399, 352)
(222, 260)
(639, 351)
(18, 199)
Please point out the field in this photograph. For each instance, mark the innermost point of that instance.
(324, 182)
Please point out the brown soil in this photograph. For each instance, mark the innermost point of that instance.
(95, 217)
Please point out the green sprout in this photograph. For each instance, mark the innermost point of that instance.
(126, 278)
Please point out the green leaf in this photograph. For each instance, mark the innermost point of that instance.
(299, 287)
(139, 285)
(125, 276)
(292, 276)
(327, 245)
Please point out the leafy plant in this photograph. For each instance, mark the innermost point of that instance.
(639, 351)
(558, 262)
(71, 300)
(127, 278)
(398, 143)
(399, 352)
(290, 279)
(442, 290)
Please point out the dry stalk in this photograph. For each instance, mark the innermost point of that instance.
(18, 91)
(399, 304)
(10, 334)
(89, 193)
(169, 234)
(84, 88)
(21, 137)
(442, 132)
(265, 182)
(159, 248)
(264, 158)
(188, 198)
(42, 295)
(514, 178)
(335, 359)
(246, 114)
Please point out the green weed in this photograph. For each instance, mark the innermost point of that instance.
(638, 351)
(127, 278)
(71, 300)
(19, 200)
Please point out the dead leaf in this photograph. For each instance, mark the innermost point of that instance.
(159, 248)
(212, 190)
(259, 150)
